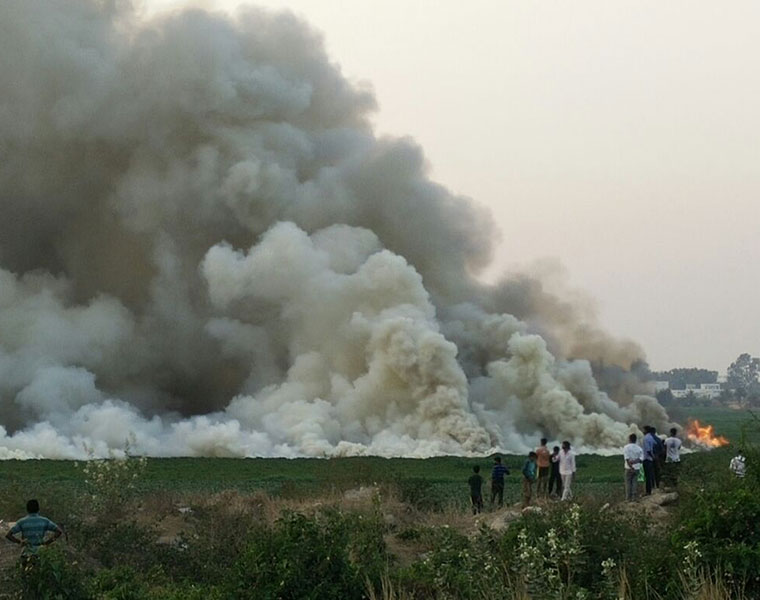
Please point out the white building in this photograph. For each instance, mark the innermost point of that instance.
(703, 390)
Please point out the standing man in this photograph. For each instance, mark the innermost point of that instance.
(633, 457)
(649, 458)
(497, 481)
(33, 528)
(672, 458)
(554, 478)
(659, 457)
(566, 469)
(476, 487)
(529, 476)
(543, 461)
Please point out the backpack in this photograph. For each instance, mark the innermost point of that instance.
(659, 447)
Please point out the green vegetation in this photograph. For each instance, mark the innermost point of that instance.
(373, 528)
(732, 424)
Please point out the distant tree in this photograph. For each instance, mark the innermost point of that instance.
(744, 376)
(680, 377)
(665, 397)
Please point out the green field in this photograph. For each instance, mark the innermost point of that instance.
(443, 478)
(729, 423)
(285, 528)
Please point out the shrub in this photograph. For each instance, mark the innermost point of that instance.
(111, 483)
(725, 523)
(317, 558)
(50, 576)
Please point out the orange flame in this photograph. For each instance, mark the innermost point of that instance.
(704, 435)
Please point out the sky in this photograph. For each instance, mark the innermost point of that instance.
(618, 139)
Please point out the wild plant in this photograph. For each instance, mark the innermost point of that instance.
(546, 565)
(112, 482)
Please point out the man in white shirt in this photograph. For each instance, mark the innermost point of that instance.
(738, 465)
(566, 469)
(672, 458)
(633, 458)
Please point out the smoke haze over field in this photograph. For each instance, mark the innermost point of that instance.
(205, 249)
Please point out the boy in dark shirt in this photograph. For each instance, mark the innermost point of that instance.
(554, 478)
(476, 495)
(497, 481)
(529, 472)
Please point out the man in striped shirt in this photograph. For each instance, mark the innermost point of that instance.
(33, 528)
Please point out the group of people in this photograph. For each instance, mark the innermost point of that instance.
(653, 462)
(551, 472)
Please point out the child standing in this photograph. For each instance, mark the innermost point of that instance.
(529, 476)
(476, 487)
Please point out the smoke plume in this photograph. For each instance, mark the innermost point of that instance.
(206, 250)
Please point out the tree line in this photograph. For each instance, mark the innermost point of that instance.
(742, 382)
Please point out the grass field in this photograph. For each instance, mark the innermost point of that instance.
(442, 478)
(216, 528)
(729, 423)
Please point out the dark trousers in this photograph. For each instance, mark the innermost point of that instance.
(657, 464)
(497, 491)
(649, 475)
(670, 473)
(477, 503)
(555, 480)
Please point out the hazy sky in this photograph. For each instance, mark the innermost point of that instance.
(621, 138)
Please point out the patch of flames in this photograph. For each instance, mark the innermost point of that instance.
(704, 435)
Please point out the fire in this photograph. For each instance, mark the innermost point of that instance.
(704, 435)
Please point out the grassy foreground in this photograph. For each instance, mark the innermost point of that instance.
(379, 528)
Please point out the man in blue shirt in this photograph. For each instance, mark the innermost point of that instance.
(33, 528)
(497, 481)
(649, 458)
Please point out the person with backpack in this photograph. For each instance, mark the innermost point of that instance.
(659, 457)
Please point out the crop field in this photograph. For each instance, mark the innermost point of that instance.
(369, 527)
(443, 477)
(432, 483)
(729, 423)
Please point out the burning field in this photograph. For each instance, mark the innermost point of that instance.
(704, 435)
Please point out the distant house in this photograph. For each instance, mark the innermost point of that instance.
(661, 386)
(708, 391)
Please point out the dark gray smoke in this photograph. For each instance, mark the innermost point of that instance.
(205, 249)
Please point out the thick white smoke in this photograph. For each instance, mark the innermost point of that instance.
(205, 250)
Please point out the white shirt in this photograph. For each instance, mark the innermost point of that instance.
(672, 449)
(737, 465)
(566, 462)
(632, 452)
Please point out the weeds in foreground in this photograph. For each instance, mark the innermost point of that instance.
(372, 544)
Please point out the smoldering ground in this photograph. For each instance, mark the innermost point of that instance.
(205, 249)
